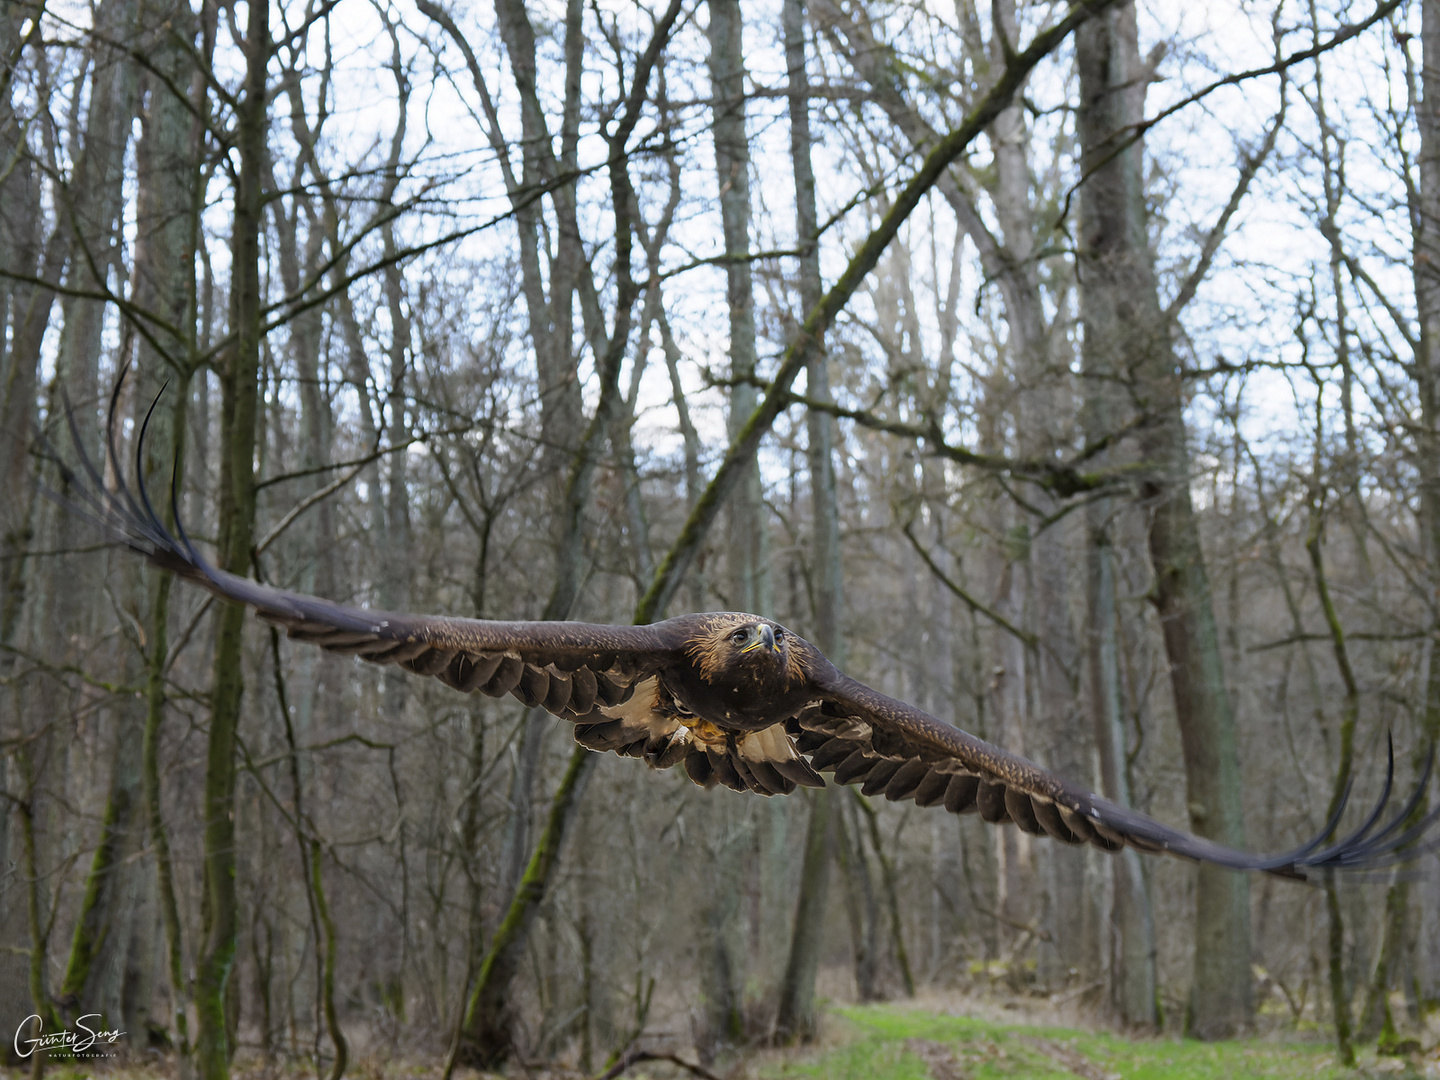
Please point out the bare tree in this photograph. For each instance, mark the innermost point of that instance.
(1128, 338)
(239, 382)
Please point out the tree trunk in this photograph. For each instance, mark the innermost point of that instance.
(24, 313)
(1132, 947)
(239, 389)
(486, 1028)
(169, 196)
(93, 202)
(397, 558)
(98, 949)
(1132, 950)
(748, 547)
(1349, 714)
(1043, 405)
(892, 893)
(36, 906)
(167, 443)
(796, 1019)
(311, 537)
(747, 582)
(1125, 333)
(862, 907)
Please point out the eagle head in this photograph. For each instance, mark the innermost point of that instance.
(742, 646)
(747, 669)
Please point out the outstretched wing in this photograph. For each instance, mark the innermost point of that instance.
(890, 748)
(580, 672)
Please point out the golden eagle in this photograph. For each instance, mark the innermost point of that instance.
(734, 699)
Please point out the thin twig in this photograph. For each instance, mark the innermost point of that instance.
(975, 603)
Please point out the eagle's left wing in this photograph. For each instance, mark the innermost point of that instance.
(891, 748)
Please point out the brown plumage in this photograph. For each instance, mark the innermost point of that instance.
(737, 700)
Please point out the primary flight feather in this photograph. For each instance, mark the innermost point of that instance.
(734, 699)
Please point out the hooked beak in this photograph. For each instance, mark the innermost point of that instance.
(765, 638)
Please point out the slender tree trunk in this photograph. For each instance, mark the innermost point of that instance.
(1043, 405)
(1377, 1021)
(862, 909)
(15, 172)
(31, 308)
(796, 1018)
(1125, 333)
(36, 912)
(748, 548)
(562, 410)
(327, 968)
(892, 893)
(1132, 950)
(310, 851)
(155, 697)
(397, 561)
(239, 386)
(93, 201)
(487, 1035)
(101, 939)
(24, 312)
(747, 581)
(1132, 946)
(721, 983)
(313, 535)
(169, 159)
(1349, 714)
(470, 847)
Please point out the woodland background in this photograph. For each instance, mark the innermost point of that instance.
(1070, 373)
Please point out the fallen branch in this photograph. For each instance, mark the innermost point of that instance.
(636, 1057)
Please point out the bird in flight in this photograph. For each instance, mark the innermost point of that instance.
(733, 699)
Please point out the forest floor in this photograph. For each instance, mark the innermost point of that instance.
(895, 1042)
(936, 1037)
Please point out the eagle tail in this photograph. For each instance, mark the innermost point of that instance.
(128, 518)
(123, 519)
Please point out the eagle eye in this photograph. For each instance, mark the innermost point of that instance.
(779, 635)
(739, 636)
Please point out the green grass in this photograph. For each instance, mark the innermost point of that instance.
(887, 1042)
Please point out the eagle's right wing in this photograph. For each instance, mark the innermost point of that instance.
(865, 737)
(574, 670)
